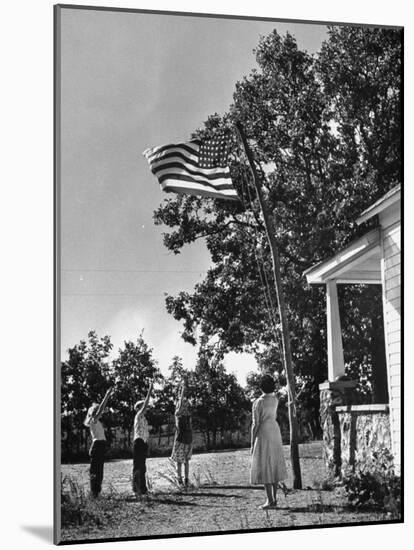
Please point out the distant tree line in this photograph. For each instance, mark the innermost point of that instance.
(218, 401)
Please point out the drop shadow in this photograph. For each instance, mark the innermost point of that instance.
(43, 532)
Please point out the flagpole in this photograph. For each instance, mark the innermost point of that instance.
(286, 349)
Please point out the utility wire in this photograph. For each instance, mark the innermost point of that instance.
(130, 271)
(270, 305)
(260, 266)
(107, 294)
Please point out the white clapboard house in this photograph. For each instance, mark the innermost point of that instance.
(375, 258)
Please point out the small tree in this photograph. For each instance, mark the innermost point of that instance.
(133, 370)
(84, 379)
(167, 394)
(219, 401)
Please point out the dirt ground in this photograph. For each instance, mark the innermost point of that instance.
(219, 499)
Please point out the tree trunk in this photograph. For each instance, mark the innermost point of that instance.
(207, 438)
(287, 354)
(78, 440)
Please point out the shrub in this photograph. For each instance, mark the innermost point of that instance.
(78, 509)
(74, 503)
(374, 484)
(325, 484)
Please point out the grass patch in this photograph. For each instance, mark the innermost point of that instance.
(79, 509)
(169, 474)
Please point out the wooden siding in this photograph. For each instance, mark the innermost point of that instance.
(391, 247)
(392, 261)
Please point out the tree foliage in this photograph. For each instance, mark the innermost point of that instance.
(85, 377)
(218, 402)
(326, 132)
(132, 371)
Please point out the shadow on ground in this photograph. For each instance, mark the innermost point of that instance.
(220, 495)
(317, 508)
(173, 501)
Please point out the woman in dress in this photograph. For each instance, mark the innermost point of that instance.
(268, 463)
(99, 444)
(183, 440)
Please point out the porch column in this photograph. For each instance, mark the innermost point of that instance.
(336, 365)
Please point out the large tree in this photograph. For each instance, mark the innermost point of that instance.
(326, 132)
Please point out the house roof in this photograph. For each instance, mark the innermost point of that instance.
(359, 262)
(381, 204)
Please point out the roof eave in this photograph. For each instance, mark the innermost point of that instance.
(384, 202)
(335, 266)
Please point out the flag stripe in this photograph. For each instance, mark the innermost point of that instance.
(173, 155)
(174, 146)
(182, 187)
(221, 184)
(175, 167)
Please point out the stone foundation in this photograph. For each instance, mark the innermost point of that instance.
(351, 432)
(332, 395)
(364, 429)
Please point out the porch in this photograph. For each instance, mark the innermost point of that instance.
(351, 431)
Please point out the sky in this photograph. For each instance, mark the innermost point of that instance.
(130, 81)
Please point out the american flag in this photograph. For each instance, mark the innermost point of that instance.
(198, 167)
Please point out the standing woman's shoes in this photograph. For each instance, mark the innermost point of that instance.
(266, 506)
(284, 488)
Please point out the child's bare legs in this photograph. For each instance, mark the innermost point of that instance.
(274, 493)
(186, 472)
(179, 473)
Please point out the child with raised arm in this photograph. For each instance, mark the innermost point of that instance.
(183, 440)
(99, 444)
(140, 446)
